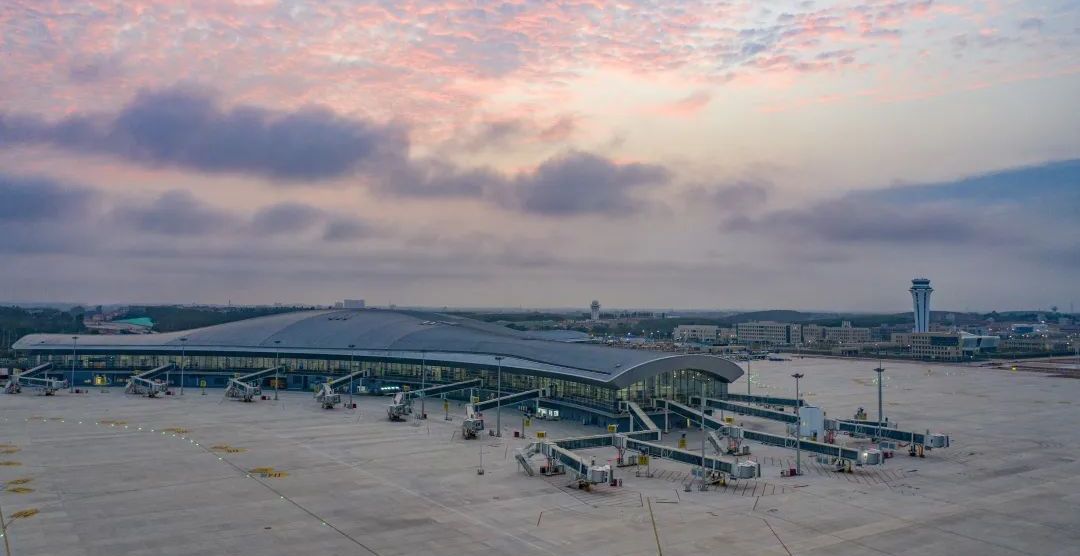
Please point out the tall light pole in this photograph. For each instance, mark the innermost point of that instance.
(702, 389)
(74, 339)
(183, 363)
(498, 402)
(277, 367)
(798, 426)
(748, 376)
(423, 383)
(880, 376)
(351, 370)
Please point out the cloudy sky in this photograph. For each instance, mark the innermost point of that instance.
(708, 154)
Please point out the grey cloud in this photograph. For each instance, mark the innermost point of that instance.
(286, 218)
(344, 229)
(40, 216)
(1032, 24)
(561, 129)
(175, 213)
(735, 196)
(492, 134)
(186, 128)
(883, 34)
(435, 178)
(578, 182)
(848, 220)
(994, 209)
(95, 69)
(568, 184)
(497, 134)
(752, 48)
(37, 199)
(1062, 256)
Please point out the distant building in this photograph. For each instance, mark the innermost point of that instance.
(353, 304)
(702, 333)
(1029, 344)
(767, 333)
(843, 334)
(951, 346)
(920, 297)
(847, 334)
(1029, 329)
(595, 308)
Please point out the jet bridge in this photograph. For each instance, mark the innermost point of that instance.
(327, 392)
(246, 387)
(838, 452)
(586, 472)
(881, 430)
(402, 404)
(683, 456)
(749, 410)
(640, 421)
(865, 428)
(145, 383)
(438, 389)
(764, 400)
(511, 399)
(560, 452)
(27, 378)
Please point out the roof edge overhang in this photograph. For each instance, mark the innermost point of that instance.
(720, 367)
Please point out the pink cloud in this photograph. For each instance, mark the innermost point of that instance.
(436, 64)
(687, 106)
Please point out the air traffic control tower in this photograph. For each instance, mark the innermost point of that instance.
(920, 297)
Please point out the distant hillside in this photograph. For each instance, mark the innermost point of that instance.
(517, 317)
(16, 322)
(778, 315)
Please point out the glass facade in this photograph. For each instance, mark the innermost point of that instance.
(305, 372)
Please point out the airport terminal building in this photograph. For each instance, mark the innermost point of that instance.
(397, 348)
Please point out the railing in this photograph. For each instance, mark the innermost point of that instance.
(747, 410)
(764, 437)
(764, 400)
(437, 389)
(675, 454)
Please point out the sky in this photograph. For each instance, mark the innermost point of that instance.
(739, 154)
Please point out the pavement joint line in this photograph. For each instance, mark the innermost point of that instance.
(980, 505)
(243, 471)
(291, 501)
(656, 532)
(926, 522)
(778, 539)
(418, 495)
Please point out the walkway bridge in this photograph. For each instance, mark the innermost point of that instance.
(47, 386)
(144, 384)
(781, 441)
(327, 393)
(246, 387)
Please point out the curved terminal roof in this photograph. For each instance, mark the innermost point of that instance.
(399, 335)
